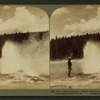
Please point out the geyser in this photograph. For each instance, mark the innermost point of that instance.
(10, 58)
(91, 60)
(31, 56)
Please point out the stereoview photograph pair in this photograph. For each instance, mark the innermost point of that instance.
(57, 52)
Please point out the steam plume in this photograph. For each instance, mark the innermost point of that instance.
(91, 61)
(31, 56)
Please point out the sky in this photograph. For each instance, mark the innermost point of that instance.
(75, 20)
(19, 18)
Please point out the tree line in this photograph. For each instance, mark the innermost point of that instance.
(19, 37)
(63, 47)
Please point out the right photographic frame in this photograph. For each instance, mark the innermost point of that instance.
(75, 47)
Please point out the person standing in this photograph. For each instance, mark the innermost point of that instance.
(69, 66)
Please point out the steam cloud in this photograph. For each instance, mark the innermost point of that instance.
(24, 21)
(91, 61)
(31, 56)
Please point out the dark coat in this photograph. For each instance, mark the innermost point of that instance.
(69, 63)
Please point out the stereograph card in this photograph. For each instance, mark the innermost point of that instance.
(49, 50)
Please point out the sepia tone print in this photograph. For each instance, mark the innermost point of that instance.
(24, 47)
(75, 47)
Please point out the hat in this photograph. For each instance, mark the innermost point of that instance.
(69, 57)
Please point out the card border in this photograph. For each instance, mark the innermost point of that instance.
(41, 4)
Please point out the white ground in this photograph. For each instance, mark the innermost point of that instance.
(78, 80)
(20, 80)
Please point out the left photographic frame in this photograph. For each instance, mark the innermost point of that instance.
(24, 47)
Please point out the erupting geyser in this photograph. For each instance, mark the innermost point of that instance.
(10, 61)
(91, 60)
(31, 56)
